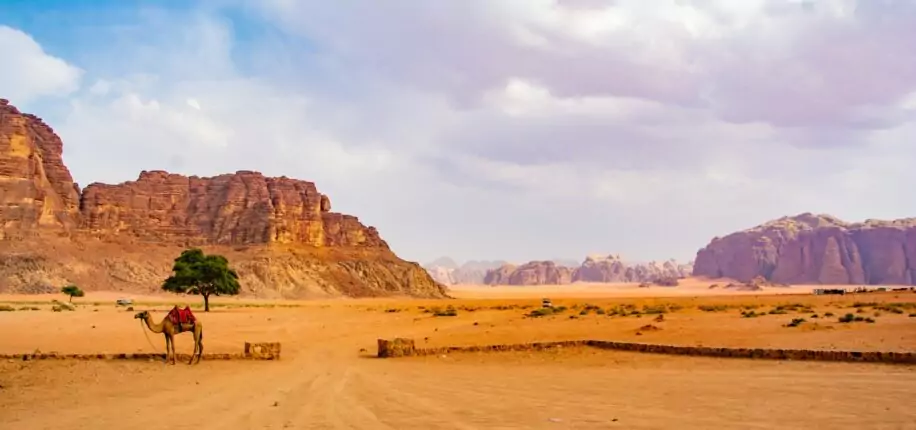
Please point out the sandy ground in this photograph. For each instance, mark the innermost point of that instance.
(328, 379)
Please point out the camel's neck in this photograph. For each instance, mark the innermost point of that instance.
(153, 327)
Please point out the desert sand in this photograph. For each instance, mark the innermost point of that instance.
(328, 376)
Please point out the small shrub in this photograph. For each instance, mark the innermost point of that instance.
(583, 312)
(449, 311)
(796, 322)
(828, 314)
(778, 311)
(543, 312)
(870, 320)
(6, 308)
(912, 315)
(392, 310)
(815, 316)
(848, 318)
(877, 314)
(750, 314)
(711, 308)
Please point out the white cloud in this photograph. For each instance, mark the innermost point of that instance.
(525, 129)
(28, 72)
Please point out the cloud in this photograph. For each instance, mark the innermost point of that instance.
(517, 129)
(29, 72)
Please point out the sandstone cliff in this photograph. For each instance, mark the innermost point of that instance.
(279, 233)
(599, 269)
(531, 273)
(446, 271)
(36, 189)
(815, 249)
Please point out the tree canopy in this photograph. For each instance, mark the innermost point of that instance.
(197, 273)
(72, 291)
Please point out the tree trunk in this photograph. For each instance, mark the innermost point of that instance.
(71, 299)
(206, 303)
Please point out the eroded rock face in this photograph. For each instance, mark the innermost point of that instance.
(233, 209)
(37, 190)
(598, 269)
(815, 249)
(473, 272)
(39, 202)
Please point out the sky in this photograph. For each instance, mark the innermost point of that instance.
(493, 129)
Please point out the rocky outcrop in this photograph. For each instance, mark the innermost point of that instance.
(598, 269)
(448, 272)
(815, 249)
(531, 273)
(234, 209)
(36, 188)
(612, 268)
(282, 236)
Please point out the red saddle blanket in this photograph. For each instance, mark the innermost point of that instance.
(181, 316)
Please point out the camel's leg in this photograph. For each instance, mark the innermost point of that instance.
(167, 350)
(200, 345)
(171, 341)
(193, 353)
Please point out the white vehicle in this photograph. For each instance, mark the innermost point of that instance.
(546, 303)
(125, 302)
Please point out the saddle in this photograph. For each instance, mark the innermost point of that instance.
(182, 319)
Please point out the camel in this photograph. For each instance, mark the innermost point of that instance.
(170, 330)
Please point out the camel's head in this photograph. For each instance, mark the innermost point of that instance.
(141, 315)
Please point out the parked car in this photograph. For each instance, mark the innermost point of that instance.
(125, 302)
(546, 303)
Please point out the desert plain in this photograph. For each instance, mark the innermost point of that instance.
(329, 378)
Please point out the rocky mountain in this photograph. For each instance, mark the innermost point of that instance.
(447, 271)
(602, 269)
(279, 233)
(815, 249)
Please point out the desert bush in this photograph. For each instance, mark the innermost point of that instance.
(655, 309)
(751, 314)
(666, 281)
(847, 318)
(543, 312)
(796, 322)
(870, 320)
(713, 308)
(828, 314)
(449, 311)
(392, 310)
(864, 304)
(6, 308)
(913, 315)
(778, 311)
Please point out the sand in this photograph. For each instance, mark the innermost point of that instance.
(328, 377)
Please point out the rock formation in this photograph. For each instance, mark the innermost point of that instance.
(600, 269)
(815, 249)
(446, 271)
(278, 232)
(531, 273)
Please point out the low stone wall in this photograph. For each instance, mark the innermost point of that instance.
(399, 347)
(139, 356)
(253, 351)
(696, 351)
(262, 351)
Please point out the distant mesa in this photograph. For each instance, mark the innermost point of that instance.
(595, 268)
(815, 249)
(280, 232)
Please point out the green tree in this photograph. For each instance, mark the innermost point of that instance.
(72, 291)
(197, 273)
